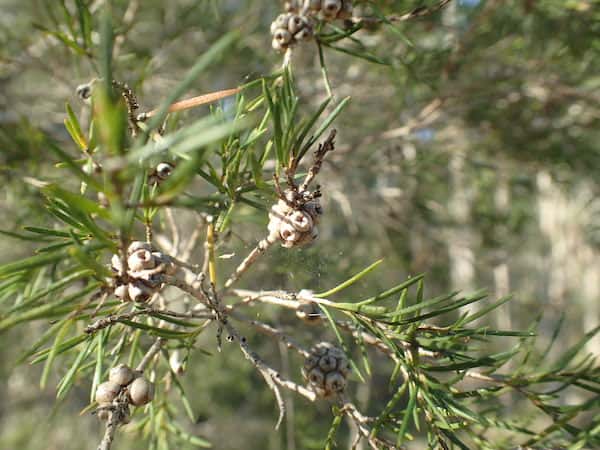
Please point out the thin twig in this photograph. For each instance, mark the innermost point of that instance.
(260, 248)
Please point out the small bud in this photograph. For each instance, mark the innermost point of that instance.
(106, 392)
(141, 391)
(121, 375)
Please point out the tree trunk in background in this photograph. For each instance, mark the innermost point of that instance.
(460, 233)
(501, 270)
(573, 270)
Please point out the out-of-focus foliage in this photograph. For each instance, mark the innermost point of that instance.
(471, 155)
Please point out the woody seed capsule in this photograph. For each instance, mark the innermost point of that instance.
(121, 375)
(141, 391)
(106, 392)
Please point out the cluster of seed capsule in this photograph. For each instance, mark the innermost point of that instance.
(294, 226)
(298, 23)
(145, 268)
(125, 384)
(290, 28)
(326, 369)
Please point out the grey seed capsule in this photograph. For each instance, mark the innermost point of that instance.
(335, 382)
(138, 245)
(163, 170)
(121, 374)
(303, 34)
(139, 292)
(316, 377)
(103, 414)
(327, 363)
(121, 292)
(300, 220)
(331, 7)
(282, 36)
(140, 260)
(106, 392)
(141, 391)
(295, 24)
(276, 45)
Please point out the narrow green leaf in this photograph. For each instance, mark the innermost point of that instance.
(350, 281)
(62, 332)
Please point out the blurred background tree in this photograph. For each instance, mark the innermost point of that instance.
(469, 151)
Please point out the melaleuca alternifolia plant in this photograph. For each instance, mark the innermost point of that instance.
(125, 300)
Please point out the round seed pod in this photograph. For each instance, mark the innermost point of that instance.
(335, 382)
(295, 24)
(121, 374)
(282, 36)
(121, 292)
(326, 369)
(331, 8)
(84, 92)
(139, 292)
(163, 170)
(141, 391)
(280, 22)
(138, 245)
(276, 45)
(300, 220)
(289, 235)
(103, 414)
(140, 260)
(327, 363)
(115, 264)
(106, 392)
(309, 312)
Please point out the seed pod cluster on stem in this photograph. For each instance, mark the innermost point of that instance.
(301, 18)
(290, 28)
(326, 370)
(125, 383)
(144, 269)
(294, 225)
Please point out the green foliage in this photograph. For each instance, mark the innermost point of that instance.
(443, 375)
